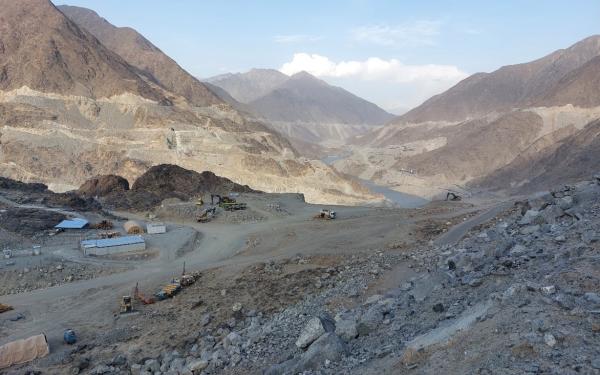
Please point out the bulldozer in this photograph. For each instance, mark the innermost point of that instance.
(199, 202)
(326, 214)
(126, 305)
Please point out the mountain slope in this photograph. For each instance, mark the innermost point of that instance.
(305, 98)
(42, 49)
(249, 86)
(141, 53)
(513, 86)
(489, 127)
(85, 112)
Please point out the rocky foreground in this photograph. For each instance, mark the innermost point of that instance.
(519, 294)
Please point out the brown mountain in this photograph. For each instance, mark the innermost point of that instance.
(141, 53)
(513, 86)
(251, 85)
(44, 50)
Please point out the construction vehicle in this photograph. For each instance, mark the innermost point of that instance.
(139, 296)
(213, 197)
(326, 214)
(5, 308)
(126, 305)
(199, 201)
(233, 206)
(450, 196)
(206, 215)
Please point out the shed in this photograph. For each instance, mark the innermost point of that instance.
(133, 227)
(108, 246)
(156, 228)
(76, 223)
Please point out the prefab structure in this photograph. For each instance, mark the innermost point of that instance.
(156, 228)
(117, 245)
(75, 223)
(133, 227)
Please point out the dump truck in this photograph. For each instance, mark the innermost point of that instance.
(326, 214)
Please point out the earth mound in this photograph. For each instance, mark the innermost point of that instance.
(103, 185)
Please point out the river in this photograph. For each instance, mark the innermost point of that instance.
(401, 199)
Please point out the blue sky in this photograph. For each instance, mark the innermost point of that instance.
(394, 53)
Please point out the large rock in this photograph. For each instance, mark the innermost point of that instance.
(530, 217)
(346, 328)
(370, 320)
(329, 347)
(314, 329)
(551, 213)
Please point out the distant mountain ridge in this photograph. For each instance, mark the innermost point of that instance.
(299, 98)
(513, 86)
(491, 127)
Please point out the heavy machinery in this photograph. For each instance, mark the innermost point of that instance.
(233, 206)
(199, 201)
(126, 305)
(206, 215)
(326, 214)
(450, 196)
(112, 234)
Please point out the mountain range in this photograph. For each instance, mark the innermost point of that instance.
(301, 106)
(490, 125)
(80, 97)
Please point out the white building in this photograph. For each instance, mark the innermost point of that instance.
(115, 245)
(156, 228)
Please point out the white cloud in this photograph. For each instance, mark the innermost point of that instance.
(389, 83)
(296, 38)
(374, 68)
(408, 34)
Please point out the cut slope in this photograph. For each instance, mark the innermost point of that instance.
(141, 53)
(44, 50)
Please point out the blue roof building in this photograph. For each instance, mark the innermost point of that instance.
(75, 223)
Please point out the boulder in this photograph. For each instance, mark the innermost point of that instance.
(314, 329)
(551, 213)
(346, 329)
(370, 320)
(529, 217)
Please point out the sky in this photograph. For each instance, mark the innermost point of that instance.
(393, 53)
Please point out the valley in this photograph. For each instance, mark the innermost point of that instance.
(190, 210)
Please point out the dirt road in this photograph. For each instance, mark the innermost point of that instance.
(88, 306)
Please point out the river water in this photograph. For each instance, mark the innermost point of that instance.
(400, 199)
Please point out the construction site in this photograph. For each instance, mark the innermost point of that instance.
(233, 282)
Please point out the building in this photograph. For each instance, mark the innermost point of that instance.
(156, 228)
(75, 223)
(117, 245)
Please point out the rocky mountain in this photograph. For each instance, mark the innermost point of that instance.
(302, 106)
(513, 86)
(249, 86)
(489, 127)
(142, 54)
(71, 109)
(42, 49)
